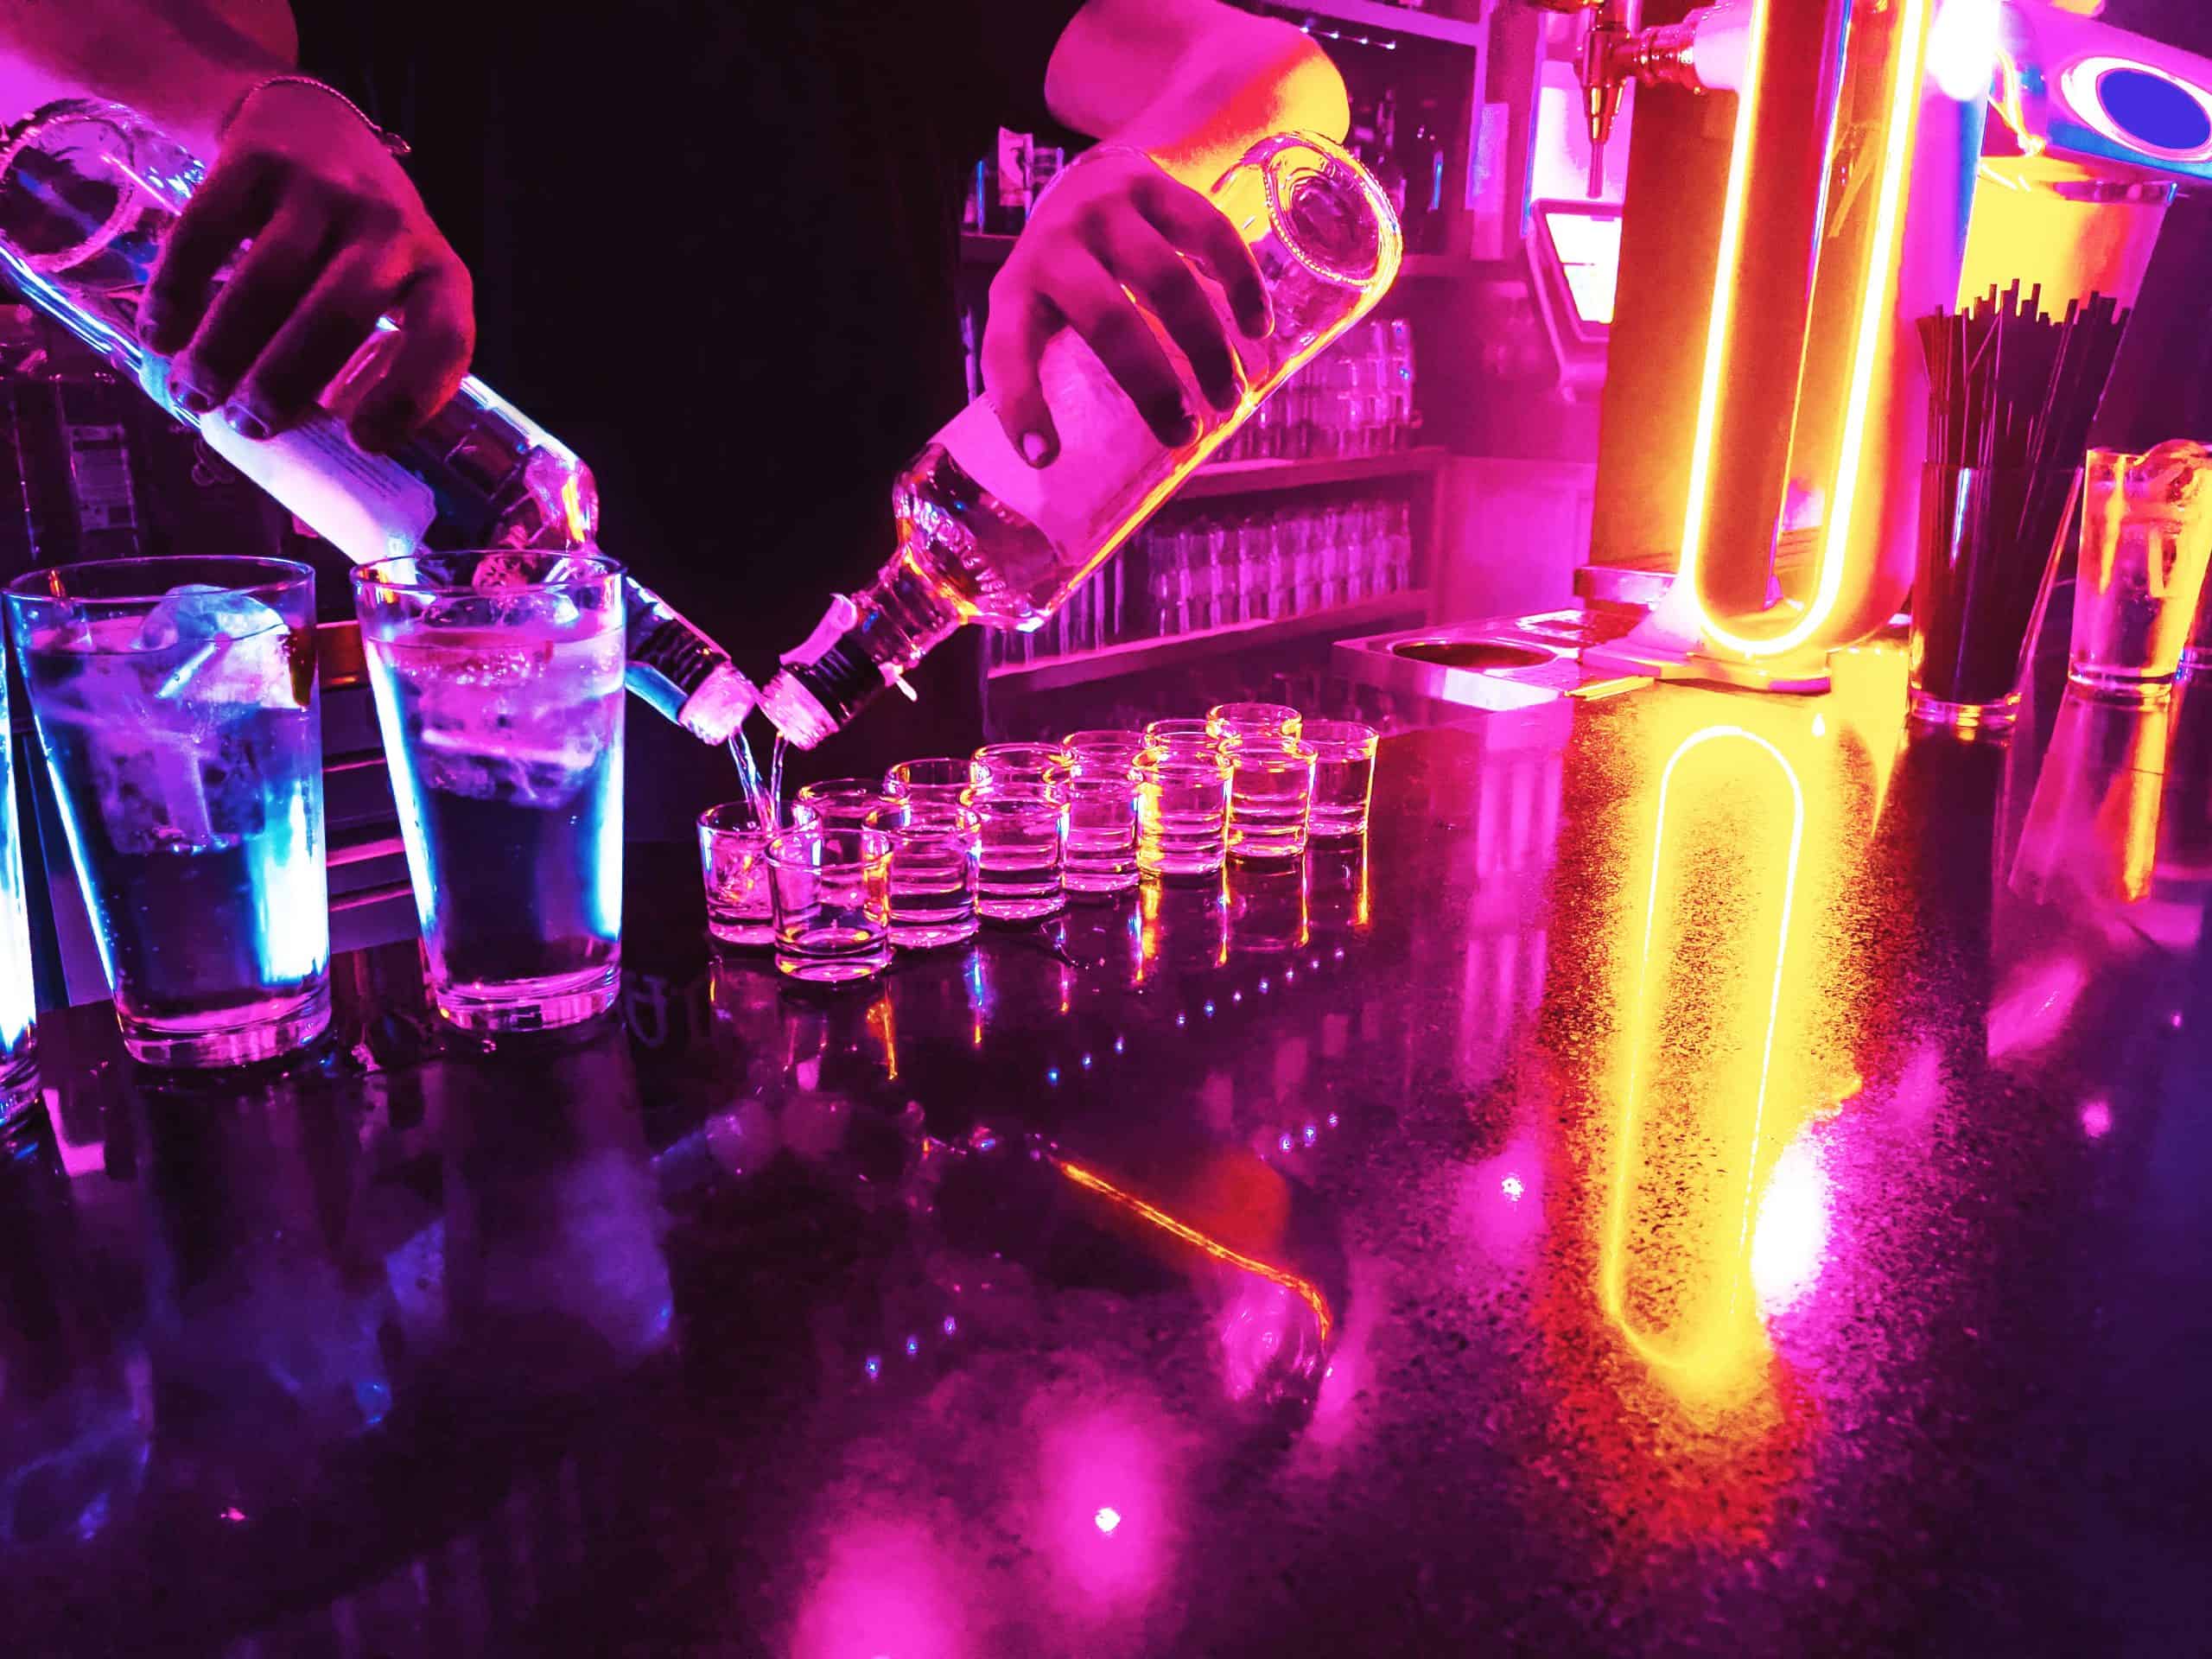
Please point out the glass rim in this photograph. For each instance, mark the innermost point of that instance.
(751, 827)
(595, 568)
(932, 815)
(38, 586)
(1339, 731)
(1253, 709)
(1215, 759)
(949, 762)
(1122, 735)
(873, 844)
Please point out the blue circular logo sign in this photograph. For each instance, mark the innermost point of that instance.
(2153, 110)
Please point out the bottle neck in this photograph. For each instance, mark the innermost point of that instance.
(887, 628)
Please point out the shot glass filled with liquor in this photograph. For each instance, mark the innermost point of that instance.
(1344, 777)
(831, 885)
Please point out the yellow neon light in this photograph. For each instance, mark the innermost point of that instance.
(1875, 307)
(1712, 1360)
(1305, 1289)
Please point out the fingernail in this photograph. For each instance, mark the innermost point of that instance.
(1182, 429)
(1036, 448)
(193, 402)
(246, 423)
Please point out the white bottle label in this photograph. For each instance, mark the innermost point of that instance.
(1106, 452)
(367, 507)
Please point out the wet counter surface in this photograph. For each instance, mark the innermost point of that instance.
(1709, 1178)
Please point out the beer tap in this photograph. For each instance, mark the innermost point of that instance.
(1615, 51)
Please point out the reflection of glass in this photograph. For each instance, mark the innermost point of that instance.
(499, 680)
(2092, 830)
(2146, 531)
(1267, 907)
(1338, 898)
(17, 1035)
(1184, 926)
(176, 703)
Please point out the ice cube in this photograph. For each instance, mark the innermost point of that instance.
(2171, 480)
(197, 611)
(224, 648)
(493, 766)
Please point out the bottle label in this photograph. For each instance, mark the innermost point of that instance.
(367, 507)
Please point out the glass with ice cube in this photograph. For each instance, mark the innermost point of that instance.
(175, 700)
(17, 1036)
(498, 685)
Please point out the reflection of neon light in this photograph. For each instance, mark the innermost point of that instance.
(1963, 48)
(1613, 1273)
(1883, 260)
(1107, 1519)
(1305, 1289)
(2006, 101)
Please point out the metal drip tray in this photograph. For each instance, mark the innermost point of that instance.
(1498, 663)
(1484, 655)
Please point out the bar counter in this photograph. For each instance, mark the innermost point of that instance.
(1705, 1177)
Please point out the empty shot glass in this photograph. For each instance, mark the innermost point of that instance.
(1344, 777)
(176, 703)
(997, 765)
(1100, 854)
(831, 885)
(1270, 797)
(1017, 869)
(934, 853)
(1182, 810)
(1272, 722)
(945, 780)
(844, 803)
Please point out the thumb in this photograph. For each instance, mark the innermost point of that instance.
(1013, 343)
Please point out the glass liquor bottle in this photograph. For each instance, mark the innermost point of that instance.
(88, 189)
(984, 536)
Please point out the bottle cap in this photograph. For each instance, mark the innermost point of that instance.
(714, 712)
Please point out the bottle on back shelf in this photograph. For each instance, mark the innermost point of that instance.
(984, 537)
(86, 192)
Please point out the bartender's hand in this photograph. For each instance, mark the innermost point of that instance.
(339, 238)
(1117, 221)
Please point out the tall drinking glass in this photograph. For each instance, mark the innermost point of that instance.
(498, 683)
(2146, 539)
(17, 1035)
(176, 703)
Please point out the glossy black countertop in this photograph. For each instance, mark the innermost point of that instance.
(1709, 1177)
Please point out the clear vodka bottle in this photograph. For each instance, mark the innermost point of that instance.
(87, 190)
(984, 536)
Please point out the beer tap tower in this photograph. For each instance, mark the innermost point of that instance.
(1867, 186)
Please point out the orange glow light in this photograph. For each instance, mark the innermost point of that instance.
(1305, 1289)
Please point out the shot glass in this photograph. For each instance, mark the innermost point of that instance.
(733, 861)
(176, 703)
(1268, 722)
(943, 779)
(1270, 798)
(2146, 539)
(934, 852)
(1018, 872)
(1344, 777)
(831, 887)
(1101, 855)
(999, 766)
(498, 685)
(843, 803)
(18, 1035)
(1182, 811)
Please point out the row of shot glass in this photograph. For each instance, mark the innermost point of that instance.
(920, 858)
